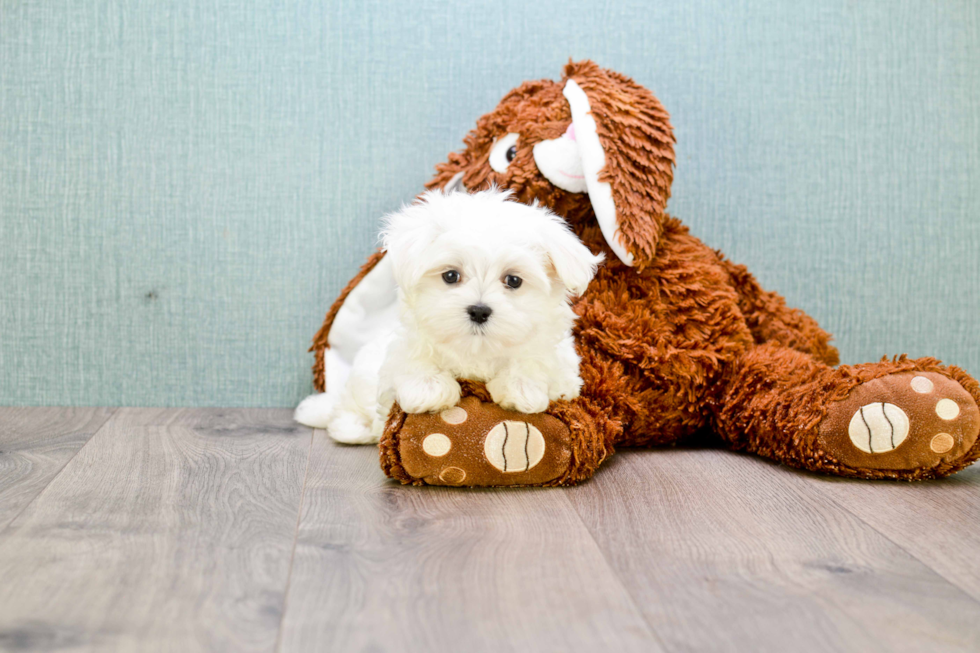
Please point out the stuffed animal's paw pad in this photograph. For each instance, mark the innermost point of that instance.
(480, 443)
(513, 446)
(878, 427)
(454, 415)
(902, 421)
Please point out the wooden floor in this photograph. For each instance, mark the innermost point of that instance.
(237, 530)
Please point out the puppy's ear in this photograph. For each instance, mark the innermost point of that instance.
(574, 264)
(626, 143)
(405, 237)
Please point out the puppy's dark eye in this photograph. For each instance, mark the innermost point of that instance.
(512, 281)
(511, 153)
(450, 276)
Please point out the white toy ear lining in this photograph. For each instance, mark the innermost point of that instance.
(593, 161)
(455, 185)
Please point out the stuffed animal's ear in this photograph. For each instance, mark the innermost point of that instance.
(455, 185)
(574, 264)
(626, 143)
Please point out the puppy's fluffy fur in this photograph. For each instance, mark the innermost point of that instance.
(456, 259)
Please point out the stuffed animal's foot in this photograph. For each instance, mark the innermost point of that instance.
(901, 425)
(476, 443)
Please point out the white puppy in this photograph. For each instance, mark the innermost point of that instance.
(483, 289)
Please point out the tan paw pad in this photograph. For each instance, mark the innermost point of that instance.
(513, 446)
(878, 427)
(437, 445)
(922, 385)
(454, 415)
(452, 476)
(947, 409)
(942, 443)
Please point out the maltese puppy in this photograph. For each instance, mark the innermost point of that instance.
(484, 287)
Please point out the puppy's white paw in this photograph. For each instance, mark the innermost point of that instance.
(350, 429)
(567, 388)
(315, 410)
(428, 394)
(519, 393)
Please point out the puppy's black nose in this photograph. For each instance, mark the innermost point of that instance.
(479, 313)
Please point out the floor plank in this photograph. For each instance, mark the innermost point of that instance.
(385, 567)
(35, 443)
(171, 530)
(174, 530)
(938, 522)
(729, 552)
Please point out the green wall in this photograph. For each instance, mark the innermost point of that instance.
(185, 187)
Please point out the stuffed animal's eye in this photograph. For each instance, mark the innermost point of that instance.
(512, 281)
(503, 152)
(450, 276)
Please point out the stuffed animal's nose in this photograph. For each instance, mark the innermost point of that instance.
(479, 313)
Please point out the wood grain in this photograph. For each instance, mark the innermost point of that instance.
(729, 552)
(170, 531)
(176, 530)
(385, 567)
(938, 522)
(35, 443)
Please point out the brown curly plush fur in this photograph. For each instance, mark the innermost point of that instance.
(684, 342)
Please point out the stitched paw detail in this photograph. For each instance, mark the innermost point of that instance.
(513, 446)
(878, 427)
(482, 444)
(903, 421)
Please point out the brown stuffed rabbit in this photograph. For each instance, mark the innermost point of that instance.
(674, 339)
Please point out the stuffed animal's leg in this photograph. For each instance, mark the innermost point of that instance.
(902, 419)
(478, 443)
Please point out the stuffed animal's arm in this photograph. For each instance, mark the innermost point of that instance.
(694, 322)
(680, 319)
(320, 339)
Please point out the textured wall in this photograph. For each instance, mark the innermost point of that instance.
(184, 188)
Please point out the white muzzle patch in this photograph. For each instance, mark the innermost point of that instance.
(560, 162)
